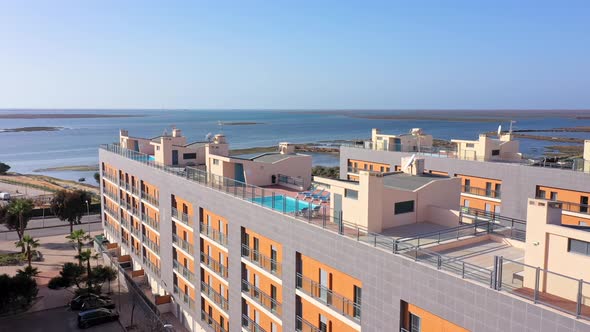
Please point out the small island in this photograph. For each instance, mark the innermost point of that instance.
(29, 129)
(63, 116)
(242, 123)
(78, 168)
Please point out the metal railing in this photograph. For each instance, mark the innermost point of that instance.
(112, 178)
(150, 198)
(214, 265)
(151, 266)
(130, 208)
(184, 297)
(184, 245)
(213, 234)
(137, 252)
(250, 325)
(290, 180)
(505, 226)
(212, 322)
(112, 195)
(155, 224)
(125, 223)
(327, 296)
(261, 260)
(215, 296)
(185, 218)
(355, 170)
(183, 271)
(434, 238)
(481, 192)
(135, 231)
(571, 207)
(261, 298)
(301, 325)
(114, 214)
(151, 244)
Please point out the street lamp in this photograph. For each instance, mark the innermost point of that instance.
(88, 214)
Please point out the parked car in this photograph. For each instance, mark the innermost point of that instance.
(95, 303)
(76, 303)
(4, 196)
(96, 316)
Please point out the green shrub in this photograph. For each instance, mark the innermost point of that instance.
(56, 283)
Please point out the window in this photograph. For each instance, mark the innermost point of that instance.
(370, 167)
(189, 156)
(584, 204)
(579, 247)
(273, 257)
(470, 145)
(495, 152)
(553, 196)
(466, 203)
(582, 223)
(357, 302)
(467, 184)
(323, 324)
(382, 169)
(352, 194)
(403, 207)
(497, 190)
(215, 161)
(488, 189)
(497, 209)
(541, 194)
(415, 323)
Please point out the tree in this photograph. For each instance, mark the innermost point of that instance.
(4, 168)
(85, 257)
(71, 274)
(70, 206)
(28, 245)
(97, 177)
(28, 271)
(18, 292)
(16, 215)
(102, 274)
(78, 237)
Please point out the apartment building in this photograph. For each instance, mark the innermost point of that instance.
(229, 255)
(491, 186)
(416, 140)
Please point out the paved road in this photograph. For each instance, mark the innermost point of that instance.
(62, 230)
(58, 320)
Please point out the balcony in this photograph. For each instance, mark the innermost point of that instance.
(112, 195)
(111, 178)
(250, 325)
(183, 244)
(136, 232)
(214, 265)
(185, 218)
(183, 271)
(125, 223)
(184, 297)
(151, 244)
(261, 298)
(151, 199)
(214, 296)
(155, 224)
(213, 234)
(481, 192)
(130, 208)
(356, 170)
(111, 211)
(136, 252)
(261, 260)
(571, 207)
(212, 322)
(130, 188)
(112, 229)
(301, 325)
(151, 266)
(328, 297)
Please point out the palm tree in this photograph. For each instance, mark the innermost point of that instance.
(78, 237)
(28, 245)
(86, 256)
(21, 208)
(28, 272)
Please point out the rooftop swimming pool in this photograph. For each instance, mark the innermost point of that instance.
(290, 204)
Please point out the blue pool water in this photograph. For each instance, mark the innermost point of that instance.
(291, 205)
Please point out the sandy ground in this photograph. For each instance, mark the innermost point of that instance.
(26, 180)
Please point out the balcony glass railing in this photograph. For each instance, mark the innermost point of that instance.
(112, 195)
(151, 266)
(130, 208)
(214, 265)
(481, 192)
(262, 298)
(155, 224)
(184, 297)
(183, 271)
(332, 299)
(153, 200)
(185, 218)
(184, 245)
(571, 207)
(135, 231)
(114, 214)
(261, 260)
(250, 325)
(212, 322)
(215, 296)
(301, 325)
(125, 223)
(213, 234)
(136, 251)
(355, 170)
(151, 244)
(110, 177)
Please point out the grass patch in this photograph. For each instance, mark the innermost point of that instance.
(15, 258)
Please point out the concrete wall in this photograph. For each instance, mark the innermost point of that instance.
(518, 182)
(386, 278)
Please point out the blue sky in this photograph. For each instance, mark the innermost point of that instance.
(295, 54)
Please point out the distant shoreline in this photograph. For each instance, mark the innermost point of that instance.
(64, 116)
(29, 129)
(77, 168)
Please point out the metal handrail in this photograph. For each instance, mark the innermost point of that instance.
(214, 265)
(154, 223)
(212, 322)
(111, 178)
(184, 297)
(112, 212)
(184, 217)
(151, 266)
(327, 296)
(213, 234)
(150, 198)
(261, 297)
(215, 296)
(302, 325)
(182, 243)
(183, 270)
(262, 260)
(112, 195)
(481, 192)
(250, 325)
(151, 244)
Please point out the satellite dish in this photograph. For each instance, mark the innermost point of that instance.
(499, 130)
(409, 162)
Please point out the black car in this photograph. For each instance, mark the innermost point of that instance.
(95, 303)
(77, 302)
(96, 316)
